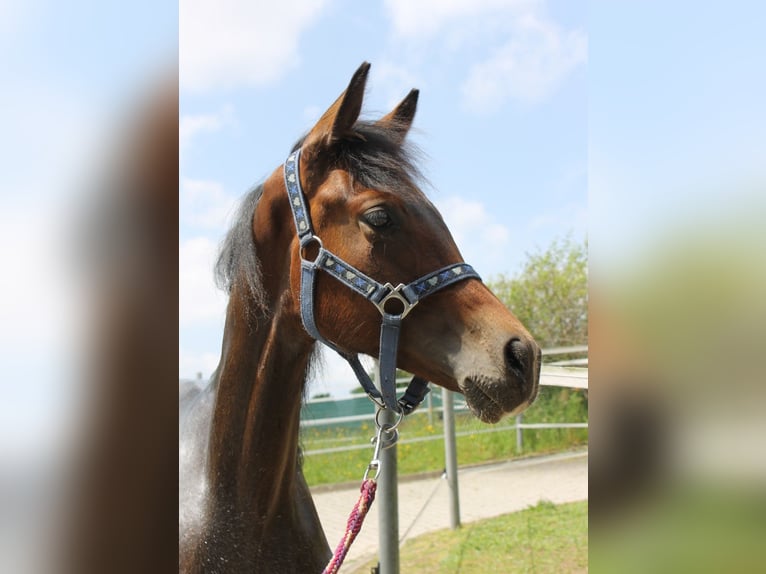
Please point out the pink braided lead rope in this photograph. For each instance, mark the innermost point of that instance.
(353, 526)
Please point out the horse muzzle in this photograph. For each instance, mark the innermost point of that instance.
(493, 396)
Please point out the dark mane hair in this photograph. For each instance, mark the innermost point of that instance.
(238, 262)
(373, 154)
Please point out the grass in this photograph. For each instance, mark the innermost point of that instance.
(545, 538)
(476, 446)
(699, 526)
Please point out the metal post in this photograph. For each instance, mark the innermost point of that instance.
(388, 506)
(519, 435)
(430, 398)
(450, 457)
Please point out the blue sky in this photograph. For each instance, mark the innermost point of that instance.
(502, 119)
(676, 122)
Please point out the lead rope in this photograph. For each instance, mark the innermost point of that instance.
(368, 489)
(354, 525)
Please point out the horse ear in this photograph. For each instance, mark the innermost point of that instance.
(342, 114)
(400, 118)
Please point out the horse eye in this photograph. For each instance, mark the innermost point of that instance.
(377, 218)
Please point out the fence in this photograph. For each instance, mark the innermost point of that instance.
(357, 409)
(571, 372)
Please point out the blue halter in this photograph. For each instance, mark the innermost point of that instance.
(407, 296)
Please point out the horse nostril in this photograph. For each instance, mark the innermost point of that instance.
(517, 355)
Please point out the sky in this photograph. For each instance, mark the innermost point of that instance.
(537, 119)
(502, 122)
(676, 122)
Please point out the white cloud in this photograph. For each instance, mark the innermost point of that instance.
(481, 239)
(394, 82)
(204, 204)
(239, 42)
(312, 113)
(504, 49)
(199, 301)
(427, 18)
(529, 67)
(191, 125)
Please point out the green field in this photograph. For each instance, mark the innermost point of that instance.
(475, 446)
(542, 539)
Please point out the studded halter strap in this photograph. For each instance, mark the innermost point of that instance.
(380, 295)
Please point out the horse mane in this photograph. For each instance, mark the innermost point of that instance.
(238, 263)
(372, 153)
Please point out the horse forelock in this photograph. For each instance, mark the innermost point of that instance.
(375, 156)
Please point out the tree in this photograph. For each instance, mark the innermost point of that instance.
(550, 295)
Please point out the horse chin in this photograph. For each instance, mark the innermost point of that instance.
(490, 400)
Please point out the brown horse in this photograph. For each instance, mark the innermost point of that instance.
(245, 506)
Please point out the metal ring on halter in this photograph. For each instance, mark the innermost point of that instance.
(387, 427)
(395, 293)
(308, 240)
(378, 402)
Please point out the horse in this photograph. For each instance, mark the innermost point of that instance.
(244, 503)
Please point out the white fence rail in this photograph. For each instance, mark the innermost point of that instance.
(553, 374)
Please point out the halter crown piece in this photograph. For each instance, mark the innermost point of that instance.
(378, 294)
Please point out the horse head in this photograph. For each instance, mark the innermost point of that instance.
(361, 188)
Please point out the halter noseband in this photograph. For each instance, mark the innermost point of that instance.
(378, 294)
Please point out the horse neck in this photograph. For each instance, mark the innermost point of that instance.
(254, 438)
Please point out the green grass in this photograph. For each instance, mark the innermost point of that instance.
(542, 539)
(553, 405)
(694, 526)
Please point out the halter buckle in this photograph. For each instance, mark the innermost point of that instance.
(395, 293)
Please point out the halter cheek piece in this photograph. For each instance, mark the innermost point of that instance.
(380, 295)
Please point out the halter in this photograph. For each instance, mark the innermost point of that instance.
(378, 294)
